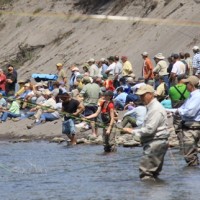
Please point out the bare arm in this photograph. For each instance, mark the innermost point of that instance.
(95, 114)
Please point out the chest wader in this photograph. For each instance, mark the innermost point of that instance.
(190, 139)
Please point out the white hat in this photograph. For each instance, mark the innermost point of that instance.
(144, 54)
(195, 48)
(91, 60)
(159, 56)
(27, 85)
(102, 59)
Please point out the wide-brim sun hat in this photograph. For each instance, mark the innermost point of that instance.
(159, 56)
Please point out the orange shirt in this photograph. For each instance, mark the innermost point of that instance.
(148, 66)
(108, 84)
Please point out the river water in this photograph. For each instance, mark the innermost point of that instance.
(41, 170)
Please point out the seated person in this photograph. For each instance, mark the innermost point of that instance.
(120, 99)
(12, 112)
(161, 91)
(135, 116)
(3, 102)
(46, 111)
(2, 92)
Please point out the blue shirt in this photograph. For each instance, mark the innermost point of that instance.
(104, 68)
(138, 114)
(190, 110)
(121, 97)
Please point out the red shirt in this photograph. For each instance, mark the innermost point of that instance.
(109, 85)
(3, 81)
(106, 107)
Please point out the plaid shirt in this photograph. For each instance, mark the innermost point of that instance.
(196, 62)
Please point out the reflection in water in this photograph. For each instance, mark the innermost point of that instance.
(51, 171)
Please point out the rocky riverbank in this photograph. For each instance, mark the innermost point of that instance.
(52, 132)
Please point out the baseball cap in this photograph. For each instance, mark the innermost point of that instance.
(109, 93)
(191, 79)
(59, 64)
(145, 89)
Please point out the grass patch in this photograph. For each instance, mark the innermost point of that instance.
(37, 10)
(25, 53)
(18, 24)
(60, 37)
(2, 25)
(3, 2)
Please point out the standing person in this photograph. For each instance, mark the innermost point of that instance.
(71, 108)
(127, 68)
(117, 71)
(62, 76)
(111, 68)
(2, 80)
(75, 73)
(179, 68)
(147, 69)
(93, 69)
(196, 60)
(153, 134)
(190, 116)
(170, 61)
(90, 93)
(11, 80)
(106, 108)
(160, 69)
(188, 60)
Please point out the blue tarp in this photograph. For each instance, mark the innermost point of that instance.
(44, 77)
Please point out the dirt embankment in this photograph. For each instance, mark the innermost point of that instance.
(34, 35)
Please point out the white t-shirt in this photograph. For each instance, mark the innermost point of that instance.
(111, 67)
(178, 68)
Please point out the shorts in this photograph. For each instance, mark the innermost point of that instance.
(68, 127)
(89, 110)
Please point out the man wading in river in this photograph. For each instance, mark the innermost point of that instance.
(153, 135)
(72, 109)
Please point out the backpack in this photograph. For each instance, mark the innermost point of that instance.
(105, 117)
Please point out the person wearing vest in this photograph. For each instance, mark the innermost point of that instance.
(188, 131)
(106, 109)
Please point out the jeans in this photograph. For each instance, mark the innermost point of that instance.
(68, 127)
(166, 80)
(5, 115)
(119, 104)
(27, 115)
(47, 117)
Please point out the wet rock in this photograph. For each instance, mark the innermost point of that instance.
(82, 141)
(131, 143)
(21, 140)
(58, 140)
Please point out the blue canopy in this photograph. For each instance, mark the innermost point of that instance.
(44, 77)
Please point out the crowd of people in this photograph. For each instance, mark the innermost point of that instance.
(98, 90)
